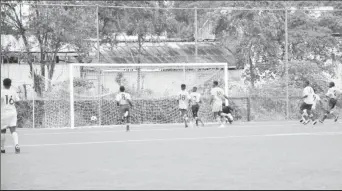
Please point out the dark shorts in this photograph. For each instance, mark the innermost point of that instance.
(12, 129)
(183, 111)
(123, 109)
(306, 106)
(217, 114)
(332, 103)
(227, 109)
(195, 109)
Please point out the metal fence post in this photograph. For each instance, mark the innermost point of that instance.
(196, 35)
(33, 100)
(98, 33)
(287, 69)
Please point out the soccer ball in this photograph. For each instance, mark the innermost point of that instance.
(93, 118)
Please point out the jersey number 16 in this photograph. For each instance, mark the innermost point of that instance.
(9, 101)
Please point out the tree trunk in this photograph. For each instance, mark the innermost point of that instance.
(139, 61)
(51, 68)
(29, 55)
(251, 69)
(80, 60)
(42, 72)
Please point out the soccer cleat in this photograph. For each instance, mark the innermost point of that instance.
(336, 118)
(301, 121)
(314, 123)
(190, 124)
(306, 122)
(320, 121)
(127, 128)
(17, 149)
(3, 151)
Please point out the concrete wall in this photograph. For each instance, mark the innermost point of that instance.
(158, 82)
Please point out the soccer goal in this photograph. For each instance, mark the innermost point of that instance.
(154, 89)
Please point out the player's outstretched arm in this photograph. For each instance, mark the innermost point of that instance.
(130, 102)
(225, 96)
(211, 99)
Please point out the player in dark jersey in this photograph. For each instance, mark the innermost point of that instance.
(227, 113)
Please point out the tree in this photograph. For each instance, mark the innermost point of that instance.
(257, 37)
(52, 27)
(81, 29)
(13, 24)
(310, 39)
(142, 22)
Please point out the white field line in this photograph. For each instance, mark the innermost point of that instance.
(160, 125)
(134, 129)
(171, 125)
(189, 138)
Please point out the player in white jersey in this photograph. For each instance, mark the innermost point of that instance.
(124, 101)
(196, 100)
(316, 106)
(183, 103)
(217, 95)
(308, 101)
(332, 96)
(9, 114)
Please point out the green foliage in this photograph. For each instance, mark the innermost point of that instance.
(299, 72)
(52, 27)
(305, 70)
(254, 37)
(310, 38)
(140, 22)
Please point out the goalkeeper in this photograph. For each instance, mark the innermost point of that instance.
(227, 113)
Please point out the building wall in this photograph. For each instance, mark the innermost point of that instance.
(158, 82)
(20, 75)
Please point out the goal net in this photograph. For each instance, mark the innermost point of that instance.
(89, 96)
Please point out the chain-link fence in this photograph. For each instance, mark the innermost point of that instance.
(269, 52)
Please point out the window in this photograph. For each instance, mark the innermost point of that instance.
(10, 59)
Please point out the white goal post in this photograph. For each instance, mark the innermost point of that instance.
(201, 73)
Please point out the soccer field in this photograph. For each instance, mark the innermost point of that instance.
(254, 155)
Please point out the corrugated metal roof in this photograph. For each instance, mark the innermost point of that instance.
(165, 52)
(169, 52)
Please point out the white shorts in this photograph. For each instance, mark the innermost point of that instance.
(216, 107)
(8, 120)
(227, 115)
